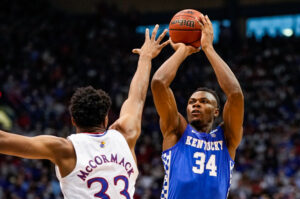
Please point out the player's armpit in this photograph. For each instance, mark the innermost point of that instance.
(39, 147)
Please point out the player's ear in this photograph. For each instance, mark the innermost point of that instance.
(216, 112)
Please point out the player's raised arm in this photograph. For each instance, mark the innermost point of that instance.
(170, 118)
(129, 122)
(39, 147)
(233, 113)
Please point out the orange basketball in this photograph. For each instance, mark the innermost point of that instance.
(185, 28)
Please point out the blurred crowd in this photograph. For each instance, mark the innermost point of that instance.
(45, 54)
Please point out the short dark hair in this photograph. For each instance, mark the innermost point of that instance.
(89, 106)
(214, 93)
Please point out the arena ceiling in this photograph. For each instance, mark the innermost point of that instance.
(146, 6)
(160, 11)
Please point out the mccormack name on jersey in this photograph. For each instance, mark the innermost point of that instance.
(100, 160)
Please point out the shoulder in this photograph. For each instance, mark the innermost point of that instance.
(173, 135)
(66, 144)
(177, 129)
(125, 126)
(56, 148)
(115, 134)
(62, 147)
(65, 157)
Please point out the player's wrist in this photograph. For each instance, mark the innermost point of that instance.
(146, 55)
(206, 48)
(183, 49)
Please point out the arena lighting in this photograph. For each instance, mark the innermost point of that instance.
(226, 23)
(287, 32)
(280, 25)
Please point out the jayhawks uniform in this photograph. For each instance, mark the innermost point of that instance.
(105, 168)
(198, 166)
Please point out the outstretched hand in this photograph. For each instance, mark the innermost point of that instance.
(206, 27)
(188, 49)
(152, 46)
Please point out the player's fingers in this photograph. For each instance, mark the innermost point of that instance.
(201, 25)
(154, 32)
(165, 43)
(207, 19)
(162, 35)
(203, 20)
(147, 37)
(136, 51)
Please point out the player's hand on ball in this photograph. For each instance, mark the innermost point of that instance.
(152, 46)
(207, 37)
(187, 49)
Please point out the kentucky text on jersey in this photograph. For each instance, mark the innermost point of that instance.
(201, 144)
(103, 159)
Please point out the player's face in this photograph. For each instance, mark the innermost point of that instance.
(202, 107)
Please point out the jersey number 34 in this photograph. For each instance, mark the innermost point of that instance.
(200, 164)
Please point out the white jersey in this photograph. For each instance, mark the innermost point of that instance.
(105, 168)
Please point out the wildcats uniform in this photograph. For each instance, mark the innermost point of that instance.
(198, 166)
(105, 168)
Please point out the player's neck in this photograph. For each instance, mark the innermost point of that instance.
(91, 129)
(202, 127)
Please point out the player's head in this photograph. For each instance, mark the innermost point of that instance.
(89, 108)
(203, 107)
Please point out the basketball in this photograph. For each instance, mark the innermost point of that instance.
(185, 27)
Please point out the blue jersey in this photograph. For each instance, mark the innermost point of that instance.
(198, 166)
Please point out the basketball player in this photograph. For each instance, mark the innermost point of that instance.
(95, 162)
(198, 159)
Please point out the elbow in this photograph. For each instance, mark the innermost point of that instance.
(236, 94)
(157, 83)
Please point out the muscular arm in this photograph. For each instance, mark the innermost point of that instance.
(172, 123)
(129, 123)
(233, 113)
(40, 147)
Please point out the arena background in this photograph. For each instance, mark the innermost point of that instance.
(49, 48)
